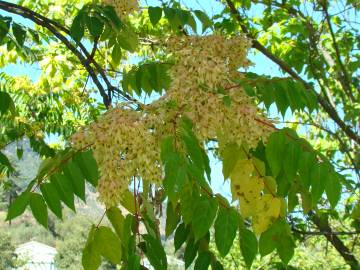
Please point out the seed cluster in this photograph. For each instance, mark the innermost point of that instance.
(122, 7)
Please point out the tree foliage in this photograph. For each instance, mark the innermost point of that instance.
(143, 98)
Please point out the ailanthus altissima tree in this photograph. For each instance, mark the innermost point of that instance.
(99, 61)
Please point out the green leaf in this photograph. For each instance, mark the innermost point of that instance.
(196, 152)
(77, 28)
(150, 224)
(110, 13)
(18, 206)
(73, 172)
(153, 77)
(181, 234)
(278, 236)
(116, 54)
(167, 149)
(183, 16)
(285, 249)
(192, 23)
(333, 189)
(19, 33)
(108, 244)
(88, 166)
(128, 201)
(117, 220)
(19, 153)
(274, 151)
(293, 98)
(248, 246)
(91, 259)
(133, 262)
(175, 176)
(6, 103)
(155, 252)
(4, 160)
(155, 14)
(319, 176)
(190, 252)
(204, 214)
(64, 189)
(227, 101)
(281, 99)
(266, 242)
(217, 266)
(306, 161)
(174, 20)
(206, 22)
(39, 209)
(292, 154)
(175, 169)
(128, 40)
(187, 201)
(226, 225)
(203, 261)
(4, 27)
(283, 184)
(172, 219)
(230, 155)
(52, 199)
(95, 26)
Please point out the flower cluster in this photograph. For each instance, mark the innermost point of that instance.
(122, 7)
(206, 61)
(123, 149)
(201, 85)
(126, 143)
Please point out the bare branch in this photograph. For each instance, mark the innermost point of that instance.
(324, 232)
(344, 79)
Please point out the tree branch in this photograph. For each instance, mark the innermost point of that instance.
(344, 79)
(324, 232)
(85, 58)
(47, 23)
(284, 66)
(335, 241)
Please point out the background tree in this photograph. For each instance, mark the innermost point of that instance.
(94, 55)
(8, 256)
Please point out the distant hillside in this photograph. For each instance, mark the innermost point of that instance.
(27, 166)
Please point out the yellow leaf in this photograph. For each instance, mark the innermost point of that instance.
(247, 208)
(260, 166)
(270, 185)
(239, 176)
(270, 206)
(252, 188)
(242, 170)
(260, 224)
(283, 208)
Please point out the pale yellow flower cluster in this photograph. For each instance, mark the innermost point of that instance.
(200, 83)
(123, 7)
(123, 148)
(206, 61)
(126, 143)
